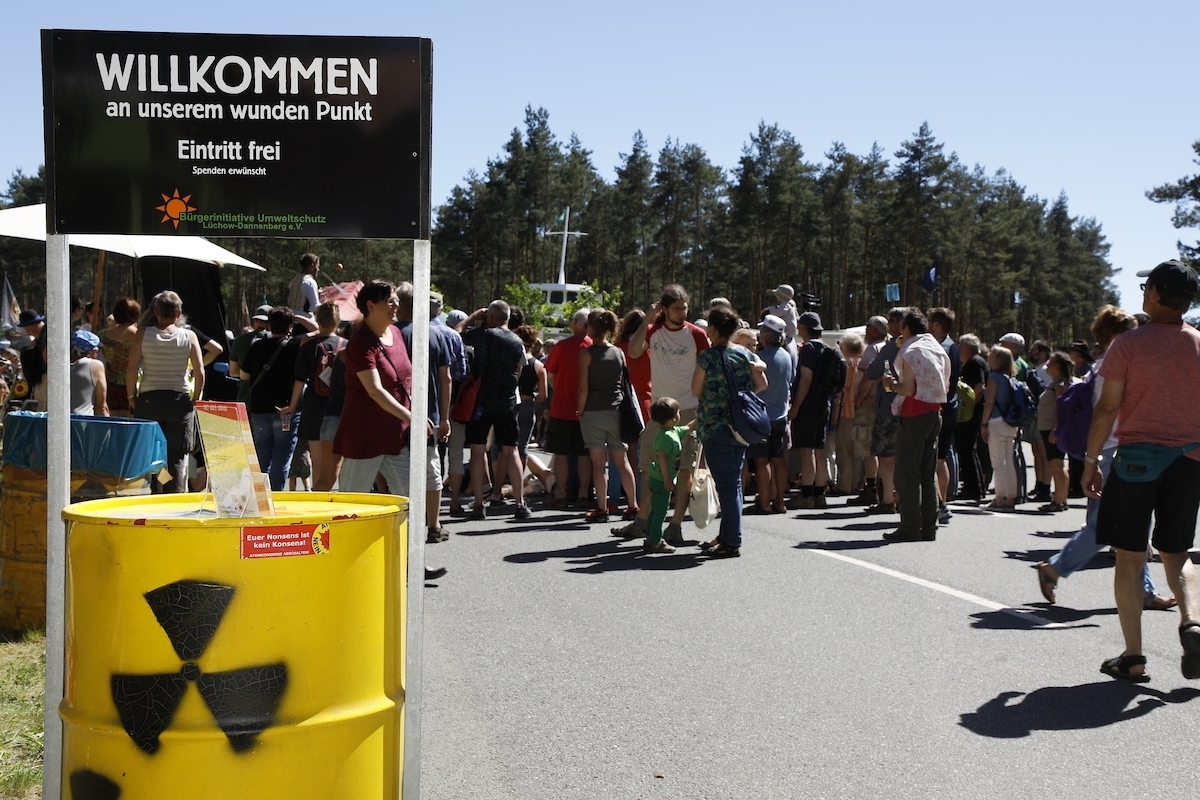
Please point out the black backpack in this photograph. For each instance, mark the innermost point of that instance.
(830, 375)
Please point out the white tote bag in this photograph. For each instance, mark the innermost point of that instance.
(704, 505)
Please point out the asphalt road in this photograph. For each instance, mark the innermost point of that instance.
(561, 663)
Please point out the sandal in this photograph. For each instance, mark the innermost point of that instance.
(1189, 637)
(1118, 667)
(1045, 582)
(597, 515)
(629, 513)
(723, 550)
(1154, 602)
(1053, 508)
(709, 545)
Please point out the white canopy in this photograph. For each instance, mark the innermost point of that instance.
(29, 222)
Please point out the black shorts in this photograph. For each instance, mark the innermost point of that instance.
(1173, 498)
(778, 442)
(504, 423)
(565, 438)
(1052, 451)
(946, 434)
(808, 428)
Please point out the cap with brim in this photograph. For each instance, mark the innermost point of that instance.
(1081, 347)
(810, 320)
(878, 323)
(783, 292)
(774, 323)
(1172, 277)
(29, 317)
(1013, 338)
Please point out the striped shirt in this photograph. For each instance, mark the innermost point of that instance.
(165, 360)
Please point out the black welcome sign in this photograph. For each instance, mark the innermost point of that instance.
(237, 135)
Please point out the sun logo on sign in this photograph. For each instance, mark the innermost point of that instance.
(173, 206)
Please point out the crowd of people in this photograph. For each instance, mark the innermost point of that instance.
(899, 417)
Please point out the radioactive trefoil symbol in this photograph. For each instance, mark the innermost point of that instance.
(243, 701)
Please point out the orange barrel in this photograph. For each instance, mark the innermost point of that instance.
(235, 658)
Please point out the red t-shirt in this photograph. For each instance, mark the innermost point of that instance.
(1160, 367)
(366, 430)
(563, 364)
(639, 376)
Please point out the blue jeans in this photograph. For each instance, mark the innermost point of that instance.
(1083, 548)
(725, 457)
(274, 446)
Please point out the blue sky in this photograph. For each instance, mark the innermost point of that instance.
(1095, 99)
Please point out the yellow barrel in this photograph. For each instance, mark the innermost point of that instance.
(256, 658)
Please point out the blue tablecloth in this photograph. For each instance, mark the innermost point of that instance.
(119, 446)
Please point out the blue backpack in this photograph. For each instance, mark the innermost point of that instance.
(1022, 407)
(747, 411)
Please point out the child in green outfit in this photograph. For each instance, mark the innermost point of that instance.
(668, 444)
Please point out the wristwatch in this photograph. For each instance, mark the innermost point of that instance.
(1088, 459)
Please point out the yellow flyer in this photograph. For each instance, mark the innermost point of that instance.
(239, 490)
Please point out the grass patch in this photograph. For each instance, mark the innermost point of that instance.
(22, 697)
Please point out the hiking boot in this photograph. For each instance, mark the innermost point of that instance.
(674, 535)
(819, 501)
(869, 497)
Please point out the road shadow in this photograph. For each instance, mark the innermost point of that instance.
(845, 544)
(1066, 708)
(1056, 534)
(1099, 561)
(501, 525)
(593, 558)
(880, 525)
(1065, 617)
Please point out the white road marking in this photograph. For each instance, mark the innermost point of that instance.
(1029, 617)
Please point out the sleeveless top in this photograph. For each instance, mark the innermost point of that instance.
(83, 388)
(604, 377)
(165, 360)
(116, 358)
(527, 381)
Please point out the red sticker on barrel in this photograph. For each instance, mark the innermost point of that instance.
(285, 540)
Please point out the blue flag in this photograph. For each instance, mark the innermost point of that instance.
(929, 279)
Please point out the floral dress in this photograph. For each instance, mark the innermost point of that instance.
(715, 400)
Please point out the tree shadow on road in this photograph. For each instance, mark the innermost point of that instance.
(592, 558)
(1065, 708)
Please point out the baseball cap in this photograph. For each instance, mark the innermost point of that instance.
(783, 292)
(262, 313)
(774, 323)
(1172, 277)
(455, 316)
(811, 320)
(1013, 339)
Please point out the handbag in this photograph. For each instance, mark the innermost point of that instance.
(1142, 462)
(747, 411)
(703, 505)
(629, 411)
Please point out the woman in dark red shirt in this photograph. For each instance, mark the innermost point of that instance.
(375, 415)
